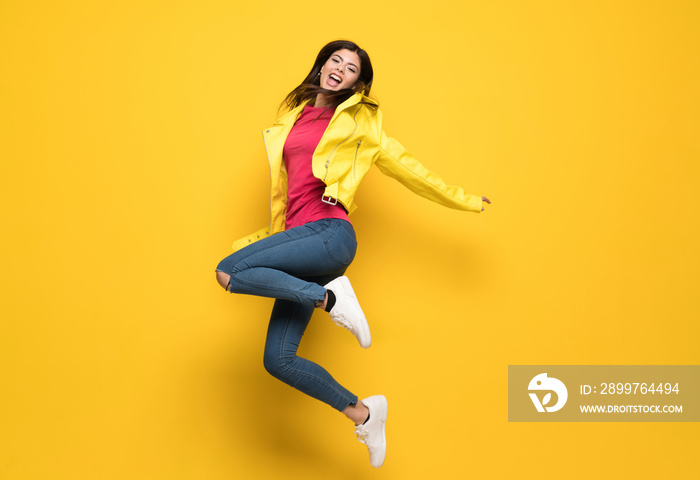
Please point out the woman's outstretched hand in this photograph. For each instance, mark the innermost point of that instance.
(484, 199)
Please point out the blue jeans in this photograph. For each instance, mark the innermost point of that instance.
(292, 267)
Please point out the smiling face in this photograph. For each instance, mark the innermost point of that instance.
(341, 70)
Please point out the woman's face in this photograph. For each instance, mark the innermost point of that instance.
(341, 70)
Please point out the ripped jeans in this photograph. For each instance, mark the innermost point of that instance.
(292, 267)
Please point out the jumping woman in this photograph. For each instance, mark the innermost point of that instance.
(319, 152)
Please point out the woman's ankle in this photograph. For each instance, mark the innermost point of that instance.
(322, 303)
(357, 412)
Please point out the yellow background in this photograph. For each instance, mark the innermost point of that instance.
(131, 157)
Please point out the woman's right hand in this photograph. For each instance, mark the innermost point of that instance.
(484, 199)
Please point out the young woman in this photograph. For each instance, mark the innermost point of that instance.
(319, 153)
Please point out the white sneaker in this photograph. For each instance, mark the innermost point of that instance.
(347, 313)
(373, 433)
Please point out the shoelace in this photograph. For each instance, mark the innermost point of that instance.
(361, 431)
(342, 321)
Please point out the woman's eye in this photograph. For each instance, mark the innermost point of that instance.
(352, 70)
(335, 60)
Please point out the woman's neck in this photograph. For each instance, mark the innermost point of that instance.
(321, 101)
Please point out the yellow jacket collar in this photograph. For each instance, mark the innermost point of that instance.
(356, 98)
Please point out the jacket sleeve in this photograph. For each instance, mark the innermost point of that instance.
(396, 162)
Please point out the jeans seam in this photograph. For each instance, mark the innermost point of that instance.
(320, 381)
(263, 287)
(289, 239)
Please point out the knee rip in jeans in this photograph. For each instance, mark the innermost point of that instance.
(224, 279)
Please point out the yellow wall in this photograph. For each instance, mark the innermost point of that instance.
(131, 157)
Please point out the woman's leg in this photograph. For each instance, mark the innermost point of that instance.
(271, 270)
(272, 267)
(287, 325)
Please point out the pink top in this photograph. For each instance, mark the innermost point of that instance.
(304, 191)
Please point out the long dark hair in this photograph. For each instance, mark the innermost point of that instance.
(311, 85)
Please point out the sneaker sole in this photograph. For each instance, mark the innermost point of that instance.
(383, 413)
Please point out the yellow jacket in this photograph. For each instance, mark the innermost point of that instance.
(352, 143)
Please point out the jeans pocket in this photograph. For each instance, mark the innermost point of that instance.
(341, 244)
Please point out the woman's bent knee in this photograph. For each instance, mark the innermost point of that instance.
(274, 366)
(283, 368)
(223, 278)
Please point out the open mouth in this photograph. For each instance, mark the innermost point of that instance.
(334, 80)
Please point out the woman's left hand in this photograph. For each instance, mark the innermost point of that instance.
(484, 199)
